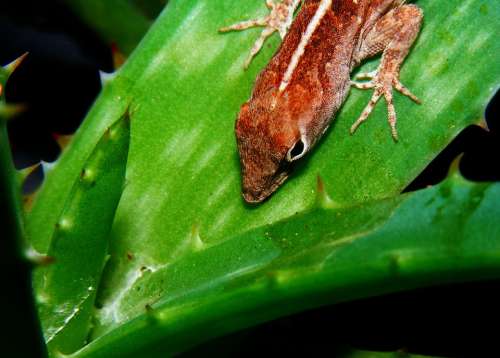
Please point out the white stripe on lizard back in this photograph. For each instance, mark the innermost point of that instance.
(306, 36)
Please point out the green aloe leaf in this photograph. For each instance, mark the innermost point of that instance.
(67, 288)
(184, 242)
(15, 260)
(447, 233)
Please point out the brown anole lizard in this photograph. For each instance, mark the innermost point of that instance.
(298, 93)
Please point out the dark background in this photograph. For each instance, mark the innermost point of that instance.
(58, 82)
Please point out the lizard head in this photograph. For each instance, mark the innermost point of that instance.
(268, 143)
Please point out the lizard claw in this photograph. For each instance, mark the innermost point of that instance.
(383, 85)
(405, 91)
(279, 19)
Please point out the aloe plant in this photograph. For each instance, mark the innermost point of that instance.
(154, 249)
(15, 260)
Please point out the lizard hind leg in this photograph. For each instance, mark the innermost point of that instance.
(279, 19)
(393, 34)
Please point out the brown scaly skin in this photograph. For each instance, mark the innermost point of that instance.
(289, 110)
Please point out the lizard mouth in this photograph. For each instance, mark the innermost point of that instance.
(258, 195)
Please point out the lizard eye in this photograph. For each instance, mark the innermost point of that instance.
(297, 151)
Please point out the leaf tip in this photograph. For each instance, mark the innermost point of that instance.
(37, 259)
(454, 170)
(62, 139)
(11, 67)
(24, 173)
(323, 200)
(195, 239)
(483, 124)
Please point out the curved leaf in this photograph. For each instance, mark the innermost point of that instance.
(66, 289)
(184, 241)
(183, 167)
(447, 233)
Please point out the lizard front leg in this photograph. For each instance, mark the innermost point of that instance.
(279, 19)
(394, 34)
